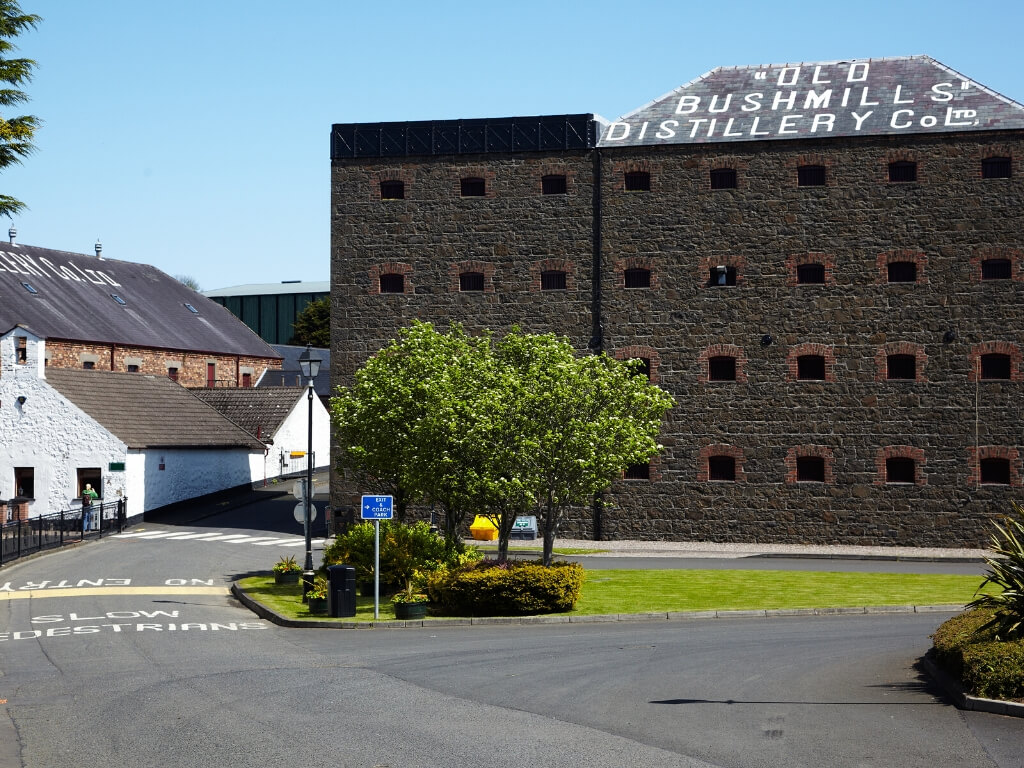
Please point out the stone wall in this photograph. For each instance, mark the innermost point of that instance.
(946, 419)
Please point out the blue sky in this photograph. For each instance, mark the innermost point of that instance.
(195, 135)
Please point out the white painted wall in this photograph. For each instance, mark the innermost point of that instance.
(293, 435)
(188, 472)
(48, 433)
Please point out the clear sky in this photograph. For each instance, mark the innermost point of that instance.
(194, 134)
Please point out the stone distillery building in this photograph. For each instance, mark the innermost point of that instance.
(821, 262)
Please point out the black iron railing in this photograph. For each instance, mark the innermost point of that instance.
(33, 534)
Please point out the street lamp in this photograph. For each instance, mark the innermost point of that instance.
(310, 366)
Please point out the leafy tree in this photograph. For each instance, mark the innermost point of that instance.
(189, 282)
(501, 429)
(16, 133)
(313, 324)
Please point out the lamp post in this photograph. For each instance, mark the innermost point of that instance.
(310, 366)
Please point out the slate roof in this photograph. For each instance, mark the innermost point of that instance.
(258, 411)
(73, 300)
(290, 374)
(857, 97)
(147, 411)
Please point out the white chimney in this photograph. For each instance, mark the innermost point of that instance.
(12, 233)
(99, 249)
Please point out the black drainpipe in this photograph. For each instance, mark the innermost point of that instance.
(597, 333)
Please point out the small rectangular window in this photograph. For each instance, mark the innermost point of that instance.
(553, 185)
(996, 168)
(25, 482)
(132, 368)
(638, 181)
(722, 468)
(638, 472)
(21, 351)
(723, 178)
(996, 269)
(810, 469)
(810, 367)
(392, 283)
(642, 367)
(91, 476)
(474, 187)
(902, 272)
(722, 369)
(899, 469)
(810, 274)
(552, 281)
(903, 171)
(995, 471)
(722, 275)
(996, 366)
(88, 365)
(246, 379)
(637, 278)
(172, 374)
(811, 175)
(392, 190)
(471, 281)
(902, 367)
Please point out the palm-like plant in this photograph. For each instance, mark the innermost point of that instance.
(1006, 571)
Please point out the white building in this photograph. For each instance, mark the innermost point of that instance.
(128, 434)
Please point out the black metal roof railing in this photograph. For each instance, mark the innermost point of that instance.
(460, 137)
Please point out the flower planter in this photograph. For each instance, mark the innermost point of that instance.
(318, 605)
(410, 610)
(287, 577)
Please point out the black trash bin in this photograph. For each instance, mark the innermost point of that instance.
(341, 590)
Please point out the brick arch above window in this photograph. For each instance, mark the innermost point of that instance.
(729, 261)
(797, 452)
(722, 162)
(723, 350)
(634, 262)
(919, 259)
(715, 450)
(900, 156)
(384, 175)
(1013, 255)
(623, 167)
(390, 268)
(554, 169)
(900, 348)
(810, 160)
(640, 352)
(652, 467)
(1007, 348)
(473, 266)
(538, 268)
(900, 452)
(976, 455)
(473, 172)
(826, 351)
(796, 260)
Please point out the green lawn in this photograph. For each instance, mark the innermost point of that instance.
(632, 591)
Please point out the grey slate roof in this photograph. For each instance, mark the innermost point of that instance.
(259, 412)
(290, 374)
(858, 97)
(147, 411)
(73, 301)
(272, 289)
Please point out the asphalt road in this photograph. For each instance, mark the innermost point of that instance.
(178, 674)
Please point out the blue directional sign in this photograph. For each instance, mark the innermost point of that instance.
(378, 507)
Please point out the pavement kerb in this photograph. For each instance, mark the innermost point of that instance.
(974, 703)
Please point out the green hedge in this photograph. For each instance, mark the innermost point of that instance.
(513, 589)
(986, 667)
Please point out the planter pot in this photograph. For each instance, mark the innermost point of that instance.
(318, 605)
(288, 577)
(410, 610)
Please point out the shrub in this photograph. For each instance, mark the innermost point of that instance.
(967, 648)
(1006, 571)
(510, 589)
